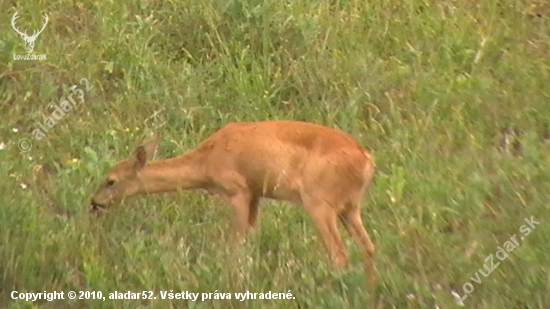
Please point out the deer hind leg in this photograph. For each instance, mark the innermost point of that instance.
(351, 219)
(325, 218)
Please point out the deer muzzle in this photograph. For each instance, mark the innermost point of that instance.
(95, 207)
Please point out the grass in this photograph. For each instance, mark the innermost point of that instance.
(428, 86)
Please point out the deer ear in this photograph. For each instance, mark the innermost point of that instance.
(139, 158)
(145, 152)
(151, 146)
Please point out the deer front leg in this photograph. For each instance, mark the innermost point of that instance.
(241, 211)
(254, 212)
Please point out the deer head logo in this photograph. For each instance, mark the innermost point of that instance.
(29, 40)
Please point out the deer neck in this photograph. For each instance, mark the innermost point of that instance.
(180, 173)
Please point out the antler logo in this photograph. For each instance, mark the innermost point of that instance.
(29, 40)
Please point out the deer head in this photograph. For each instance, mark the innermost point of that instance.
(124, 178)
(29, 40)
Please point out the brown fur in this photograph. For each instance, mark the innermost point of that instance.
(321, 168)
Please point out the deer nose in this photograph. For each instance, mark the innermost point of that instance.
(95, 206)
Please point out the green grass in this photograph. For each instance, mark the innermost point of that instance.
(426, 85)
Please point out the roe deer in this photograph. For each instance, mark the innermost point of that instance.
(321, 168)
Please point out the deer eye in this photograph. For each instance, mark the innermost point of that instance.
(109, 183)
